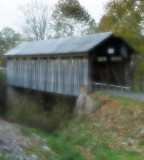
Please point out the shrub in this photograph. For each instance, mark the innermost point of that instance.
(29, 113)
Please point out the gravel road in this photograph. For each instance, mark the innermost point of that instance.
(13, 143)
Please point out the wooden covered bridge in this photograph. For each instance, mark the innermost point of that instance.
(63, 65)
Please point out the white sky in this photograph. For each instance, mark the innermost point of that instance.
(10, 15)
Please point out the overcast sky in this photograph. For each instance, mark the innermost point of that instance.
(10, 15)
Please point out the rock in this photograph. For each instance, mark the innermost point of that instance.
(7, 149)
(97, 125)
(46, 148)
(90, 106)
(34, 157)
(124, 144)
(12, 142)
(133, 142)
(85, 104)
(141, 135)
(19, 158)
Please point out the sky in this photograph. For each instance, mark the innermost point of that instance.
(11, 16)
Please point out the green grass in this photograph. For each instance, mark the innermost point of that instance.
(120, 119)
(61, 149)
(4, 158)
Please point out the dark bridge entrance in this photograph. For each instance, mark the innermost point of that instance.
(110, 62)
(111, 73)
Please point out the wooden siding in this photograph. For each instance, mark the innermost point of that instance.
(64, 76)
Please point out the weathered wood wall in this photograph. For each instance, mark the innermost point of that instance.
(64, 76)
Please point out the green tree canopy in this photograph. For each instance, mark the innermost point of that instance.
(71, 19)
(9, 39)
(126, 19)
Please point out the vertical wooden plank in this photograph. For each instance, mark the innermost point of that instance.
(64, 75)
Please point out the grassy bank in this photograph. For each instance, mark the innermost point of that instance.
(114, 132)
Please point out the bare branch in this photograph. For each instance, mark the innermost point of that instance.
(37, 20)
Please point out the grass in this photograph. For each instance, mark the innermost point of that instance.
(4, 158)
(61, 149)
(110, 133)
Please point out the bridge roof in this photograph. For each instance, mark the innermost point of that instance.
(60, 46)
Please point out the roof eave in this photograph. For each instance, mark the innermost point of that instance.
(72, 54)
(111, 35)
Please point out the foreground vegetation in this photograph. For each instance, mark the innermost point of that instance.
(113, 132)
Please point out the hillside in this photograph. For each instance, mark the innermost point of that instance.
(113, 132)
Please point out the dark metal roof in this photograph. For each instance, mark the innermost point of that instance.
(82, 44)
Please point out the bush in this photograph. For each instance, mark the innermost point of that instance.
(29, 113)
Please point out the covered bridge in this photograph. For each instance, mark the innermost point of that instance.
(63, 65)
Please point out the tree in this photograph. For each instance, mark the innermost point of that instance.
(9, 39)
(125, 18)
(71, 19)
(36, 18)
